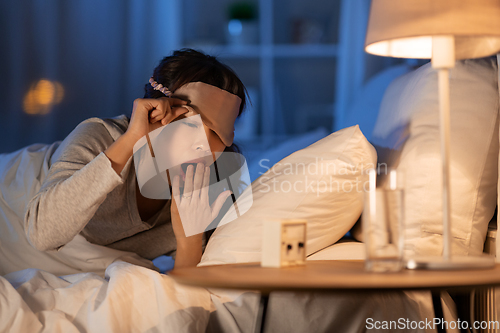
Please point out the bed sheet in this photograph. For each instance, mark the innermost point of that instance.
(344, 249)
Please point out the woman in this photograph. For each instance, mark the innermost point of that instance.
(91, 187)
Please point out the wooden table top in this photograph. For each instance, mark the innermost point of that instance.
(330, 275)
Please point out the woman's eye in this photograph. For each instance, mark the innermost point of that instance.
(190, 124)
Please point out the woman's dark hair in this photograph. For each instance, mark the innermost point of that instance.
(188, 65)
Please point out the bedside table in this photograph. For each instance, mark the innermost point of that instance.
(331, 275)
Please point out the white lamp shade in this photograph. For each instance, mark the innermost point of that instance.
(404, 28)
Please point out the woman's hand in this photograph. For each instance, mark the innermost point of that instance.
(149, 114)
(191, 213)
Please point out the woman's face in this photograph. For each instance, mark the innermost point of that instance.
(215, 142)
(192, 131)
(187, 140)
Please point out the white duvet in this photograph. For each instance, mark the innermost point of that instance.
(129, 299)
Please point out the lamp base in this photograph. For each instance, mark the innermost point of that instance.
(454, 263)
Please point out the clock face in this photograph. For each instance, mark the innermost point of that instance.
(293, 240)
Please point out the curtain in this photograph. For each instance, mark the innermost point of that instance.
(62, 62)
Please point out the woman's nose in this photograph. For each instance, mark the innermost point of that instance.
(201, 146)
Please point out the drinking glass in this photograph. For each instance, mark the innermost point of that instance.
(383, 219)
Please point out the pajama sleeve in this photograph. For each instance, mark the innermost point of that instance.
(77, 183)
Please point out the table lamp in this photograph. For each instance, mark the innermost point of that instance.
(443, 31)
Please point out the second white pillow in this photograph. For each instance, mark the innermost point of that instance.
(322, 183)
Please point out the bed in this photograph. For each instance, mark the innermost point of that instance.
(94, 289)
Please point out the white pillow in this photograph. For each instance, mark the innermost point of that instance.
(321, 183)
(409, 122)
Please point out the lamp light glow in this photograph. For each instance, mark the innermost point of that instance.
(411, 47)
(42, 96)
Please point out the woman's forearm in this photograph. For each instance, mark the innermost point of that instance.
(189, 251)
(120, 152)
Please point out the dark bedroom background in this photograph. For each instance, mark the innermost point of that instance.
(62, 62)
